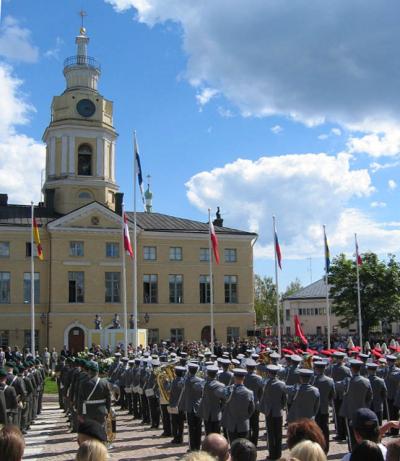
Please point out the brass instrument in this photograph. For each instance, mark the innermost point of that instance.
(308, 362)
(111, 427)
(164, 376)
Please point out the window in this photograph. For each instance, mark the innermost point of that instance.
(27, 339)
(28, 250)
(76, 287)
(288, 331)
(113, 283)
(112, 250)
(175, 253)
(85, 160)
(204, 283)
(76, 248)
(230, 255)
(85, 195)
(153, 336)
(230, 283)
(4, 338)
(204, 254)
(5, 278)
(150, 253)
(319, 331)
(4, 249)
(176, 289)
(27, 287)
(150, 289)
(287, 315)
(232, 333)
(177, 335)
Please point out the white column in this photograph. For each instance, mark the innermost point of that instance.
(107, 160)
(64, 151)
(52, 156)
(71, 162)
(112, 160)
(100, 157)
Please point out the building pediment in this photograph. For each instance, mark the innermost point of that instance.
(93, 217)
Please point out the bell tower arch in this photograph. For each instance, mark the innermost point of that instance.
(80, 139)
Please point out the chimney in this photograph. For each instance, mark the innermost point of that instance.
(3, 199)
(119, 199)
(218, 221)
(49, 199)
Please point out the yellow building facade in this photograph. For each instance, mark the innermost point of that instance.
(80, 228)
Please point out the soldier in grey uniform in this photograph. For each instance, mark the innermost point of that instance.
(18, 384)
(136, 402)
(94, 400)
(273, 403)
(364, 359)
(128, 382)
(379, 391)
(3, 409)
(225, 376)
(303, 398)
(152, 393)
(176, 404)
(291, 373)
(10, 397)
(191, 401)
(210, 409)
(144, 376)
(357, 394)
(326, 387)
(339, 372)
(392, 379)
(254, 382)
(239, 406)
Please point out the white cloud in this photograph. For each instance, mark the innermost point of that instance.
(15, 42)
(378, 204)
(226, 113)
(376, 166)
(55, 51)
(392, 184)
(276, 129)
(205, 96)
(323, 136)
(304, 191)
(384, 141)
(267, 62)
(21, 157)
(336, 131)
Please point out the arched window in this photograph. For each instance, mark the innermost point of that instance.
(85, 195)
(85, 160)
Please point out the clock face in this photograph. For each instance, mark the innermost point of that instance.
(86, 108)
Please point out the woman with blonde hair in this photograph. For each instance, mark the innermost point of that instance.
(308, 451)
(92, 450)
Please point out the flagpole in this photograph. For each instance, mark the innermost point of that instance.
(135, 300)
(358, 295)
(278, 316)
(124, 281)
(33, 346)
(211, 284)
(328, 315)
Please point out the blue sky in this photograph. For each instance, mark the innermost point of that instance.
(235, 103)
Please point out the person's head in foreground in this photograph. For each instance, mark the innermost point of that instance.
(367, 451)
(365, 425)
(243, 450)
(92, 450)
(12, 443)
(304, 429)
(216, 445)
(198, 456)
(308, 451)
(91, 430)
(393, 451)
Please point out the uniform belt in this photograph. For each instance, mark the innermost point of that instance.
(94, 402)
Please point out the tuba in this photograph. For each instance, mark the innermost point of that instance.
(111, 427)
(164, 376)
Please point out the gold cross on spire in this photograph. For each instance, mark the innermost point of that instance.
(82, 14)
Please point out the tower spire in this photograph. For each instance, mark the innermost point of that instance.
(82, 14)
(148, 195)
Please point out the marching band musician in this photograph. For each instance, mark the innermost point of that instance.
(225, 376)
(153, 395)
(304, 398)
(254, 382)
(210, 409)
(392, 379)
(165, 417)
(176, 405)
(10, 398)
(136, 401)
(15, 380)
(191, 400)
(144, 375)
(128, 384)
(379, 391)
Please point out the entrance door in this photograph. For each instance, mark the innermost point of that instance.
(206, 334)
(76, 340)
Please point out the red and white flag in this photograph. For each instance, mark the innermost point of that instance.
(127, 239)
(277, 248)
(214, 242)
(358, 256)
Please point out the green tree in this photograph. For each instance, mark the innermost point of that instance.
(265, 300)
(293, 287)
(379, 289)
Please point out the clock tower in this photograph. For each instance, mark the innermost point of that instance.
(80, 139)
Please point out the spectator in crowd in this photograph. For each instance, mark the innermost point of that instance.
(198, 456)
(393, 451)
(308, 451)
(91, 430)
(243, 450)
(365, 425)
(305, 429)
(366, 450)
(12, 443)
(92, 450)
(216, 445)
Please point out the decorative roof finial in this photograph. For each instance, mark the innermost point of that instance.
(148, 195)
(82, 14)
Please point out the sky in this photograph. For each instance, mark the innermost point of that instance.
(261, 107)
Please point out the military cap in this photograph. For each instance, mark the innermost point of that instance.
(372, 366)
(251, 363)
(363, 356)
(93, 429)
(236, 361)
(275, 355)
(249, 351)
(319, 364)
(355, 363)
(155, 362)
(90, 355)
(213, 357)
(392, 358)
(173, 354)
(272, 368)
(225, 361)
(209, 363)
(382, 360)
(255, 356)
(180, 369)
(117, 354)
(137, 360)
(131, 362)
(305, 372)
(201, 356)
(3, 373)
(183, 354)
(339, 355)
(212, 369)
(92, 366)
(240, 356)
(239, 372)
(21, 368)
(296, 358)
(124, 359)
(193, 365)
